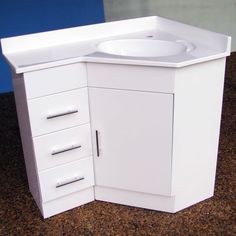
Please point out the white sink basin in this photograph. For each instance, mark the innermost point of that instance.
(141, 47)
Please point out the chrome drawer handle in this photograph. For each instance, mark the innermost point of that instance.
(72, 147)
(51, 116)
(66, 182)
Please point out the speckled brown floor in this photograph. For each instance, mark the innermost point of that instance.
(19, 214)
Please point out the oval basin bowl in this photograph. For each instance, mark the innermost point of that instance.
(141, 47)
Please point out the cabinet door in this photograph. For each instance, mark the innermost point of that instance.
(134, 132)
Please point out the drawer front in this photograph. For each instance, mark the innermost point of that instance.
(53, 80)
(58, 111)
(130, 77)
(63, 146)
(66, 179)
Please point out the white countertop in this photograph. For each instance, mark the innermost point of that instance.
(40, 55)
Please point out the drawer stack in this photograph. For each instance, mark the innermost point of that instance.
(58, 113)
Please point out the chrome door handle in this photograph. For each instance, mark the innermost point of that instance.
(51, 116)
(66, 182)
(97, 144)
(72, 147)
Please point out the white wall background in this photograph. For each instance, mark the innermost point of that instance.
(215, 15)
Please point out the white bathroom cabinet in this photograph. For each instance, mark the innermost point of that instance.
(158, 147)
(135, 131)
(152, 148)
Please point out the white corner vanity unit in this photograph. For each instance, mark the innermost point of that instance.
(126, 112)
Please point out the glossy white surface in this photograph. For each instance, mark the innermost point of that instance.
(26, 137)
(50, 179)
(131, 77)
(79, 44)
(136, 199)
(154, 153)
(52, 80)
(42, 108)
(37, 150)
(46, 145)
(135, 139)
(197, 126)
(142, 47)
(158, 125)
(67, 202)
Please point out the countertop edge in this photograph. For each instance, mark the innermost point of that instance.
(137, 62)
